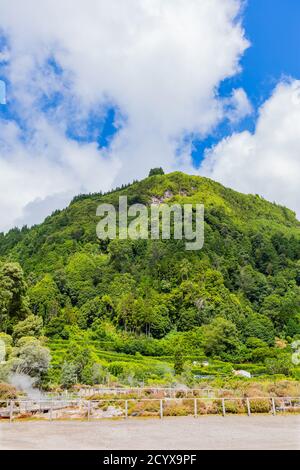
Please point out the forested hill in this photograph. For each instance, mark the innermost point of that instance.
(243, 285)
(229, 216)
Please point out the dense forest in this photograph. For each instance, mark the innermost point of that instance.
(74, 308)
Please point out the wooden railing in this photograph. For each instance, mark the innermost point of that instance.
(125, 408)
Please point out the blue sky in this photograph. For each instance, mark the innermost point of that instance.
(89, 111)
(2, 92)
(273, 28)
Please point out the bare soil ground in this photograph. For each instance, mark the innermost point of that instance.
(211, 432)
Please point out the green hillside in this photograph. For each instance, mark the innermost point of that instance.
(237, 300)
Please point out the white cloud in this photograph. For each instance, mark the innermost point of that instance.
(266, 162)
(238, 105)
(4, 55)
(47, 166)
(159, 61)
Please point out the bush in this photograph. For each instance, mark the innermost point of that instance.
(56, 328)
(116, 368)
(278, 366)
(31, 357)
(284, 388)
(180, 408)
(255, 343)
(260, 406)
(178, 361)
(260, 354)
(235, 406)
(209, 407)
(31, 326)
(7, 392)
(68, 374)
(143, 408)
(144, 346)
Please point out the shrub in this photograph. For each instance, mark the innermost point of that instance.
(260, 406)
(116, 368)
(143, 408)
(255, 343)
(31, 357)
(235, 406)
(7, 392)
(280, 365)
(260, 354)
(177, 410)
(68, 374)
(213, 407)
(31, 326)
(284, 388)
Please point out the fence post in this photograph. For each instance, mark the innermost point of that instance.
(161, 409)
(126, 409)
(11, 411)
(248, 407)
(195, 408)
(223, 407)
(89, 410)
(273, 406)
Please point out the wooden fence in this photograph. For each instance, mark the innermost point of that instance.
(131, 407)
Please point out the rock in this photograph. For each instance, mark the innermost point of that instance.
(168, 194)
(157, 200)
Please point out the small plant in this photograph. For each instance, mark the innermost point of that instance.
(235, 406)
(7, 392)
(260, 406)
(143, 408)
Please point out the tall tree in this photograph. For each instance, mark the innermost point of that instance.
(14, 302)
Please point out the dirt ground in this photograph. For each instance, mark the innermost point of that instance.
(211, 432)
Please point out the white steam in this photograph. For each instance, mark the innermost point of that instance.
(25, 383)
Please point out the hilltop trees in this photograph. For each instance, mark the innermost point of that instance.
(156, 171)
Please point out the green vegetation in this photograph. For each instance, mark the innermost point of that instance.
(140, 311)
(156, 171)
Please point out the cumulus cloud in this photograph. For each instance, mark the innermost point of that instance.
(158, 61)
(238, 105)
(47, 166)
(266, 162)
